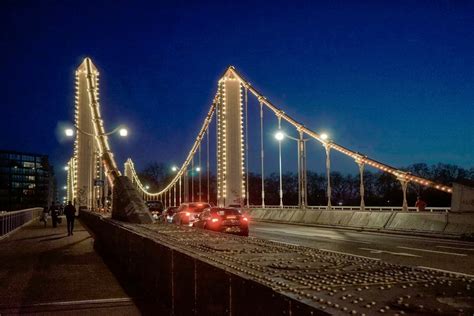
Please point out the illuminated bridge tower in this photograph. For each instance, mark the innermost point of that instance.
(230, 151)
(86, 166)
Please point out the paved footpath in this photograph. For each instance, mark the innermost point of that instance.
(43, 271)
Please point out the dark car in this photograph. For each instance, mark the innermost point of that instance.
(168, 213)
(224, 219)
(188, 213)
(155, 207)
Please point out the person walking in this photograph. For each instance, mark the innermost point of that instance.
(44, 218)
(70, 212)
(54, 214)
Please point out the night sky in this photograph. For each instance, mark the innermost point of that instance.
(394, 81)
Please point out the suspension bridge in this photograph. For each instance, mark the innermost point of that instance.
(230, 109)
(287, 266)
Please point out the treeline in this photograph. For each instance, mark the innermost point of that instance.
(381, 189)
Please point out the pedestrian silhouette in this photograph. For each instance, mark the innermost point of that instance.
(70, 212)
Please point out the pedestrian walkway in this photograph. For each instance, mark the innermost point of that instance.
(44, 271)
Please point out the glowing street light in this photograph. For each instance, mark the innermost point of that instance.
(66, 168)
(279, 136)
(69, 132)
(198, 169)
(123, 132)
(147, 187)
(64, 187)
(324, 136)
(174, 168)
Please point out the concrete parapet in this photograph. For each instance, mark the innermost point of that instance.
(460, 223)
(418, 222)
(370, 220)
(335, 218)
(310, 216)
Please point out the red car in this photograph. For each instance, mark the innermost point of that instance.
(188, 213)
(224, 220)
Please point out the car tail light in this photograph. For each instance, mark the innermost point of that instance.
(187, 213)
(245, 219)
(214, 220)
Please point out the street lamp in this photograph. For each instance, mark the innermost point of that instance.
(122, 131)
(64, 187)
(147, 187)
(174, 168)
(301, 142)
(66, 168)
(324, 136)
(198, 169)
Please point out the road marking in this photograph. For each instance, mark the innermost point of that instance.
(434, 251)
(282, 242)
(458, 248)
(447, 271)
(309, 234)
(350, 254)
(390, 252)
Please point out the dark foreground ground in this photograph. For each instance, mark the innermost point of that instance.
(42, 270)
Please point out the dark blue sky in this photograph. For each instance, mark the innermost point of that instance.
(394, 81)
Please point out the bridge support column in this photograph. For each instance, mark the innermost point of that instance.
(404, 184)
(362, 189)
(230, 151)
(302, 180)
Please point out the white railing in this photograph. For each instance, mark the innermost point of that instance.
(9, 221)
(358, 208)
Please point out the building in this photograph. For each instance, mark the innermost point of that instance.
(26, 180)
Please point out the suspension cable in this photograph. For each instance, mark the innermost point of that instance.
(207, 166)
(400, 174)
(200, 170)
(262, 154)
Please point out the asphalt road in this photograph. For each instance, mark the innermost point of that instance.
(442, 254)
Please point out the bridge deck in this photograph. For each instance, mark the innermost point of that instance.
(42, 270)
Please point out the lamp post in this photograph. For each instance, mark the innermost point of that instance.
(279, 137)
(302, 183)
(93, 172)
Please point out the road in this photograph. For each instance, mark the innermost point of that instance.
(442, 254)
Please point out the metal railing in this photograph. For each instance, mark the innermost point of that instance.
(9, 221)
(358, 208)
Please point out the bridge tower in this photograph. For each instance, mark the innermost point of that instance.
(230, 144)
(86, 165)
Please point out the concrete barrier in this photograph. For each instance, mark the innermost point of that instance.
(335, 218)
(459, 224)
(448, 224)
(311, 216)
(419, 222)
(370, 220)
